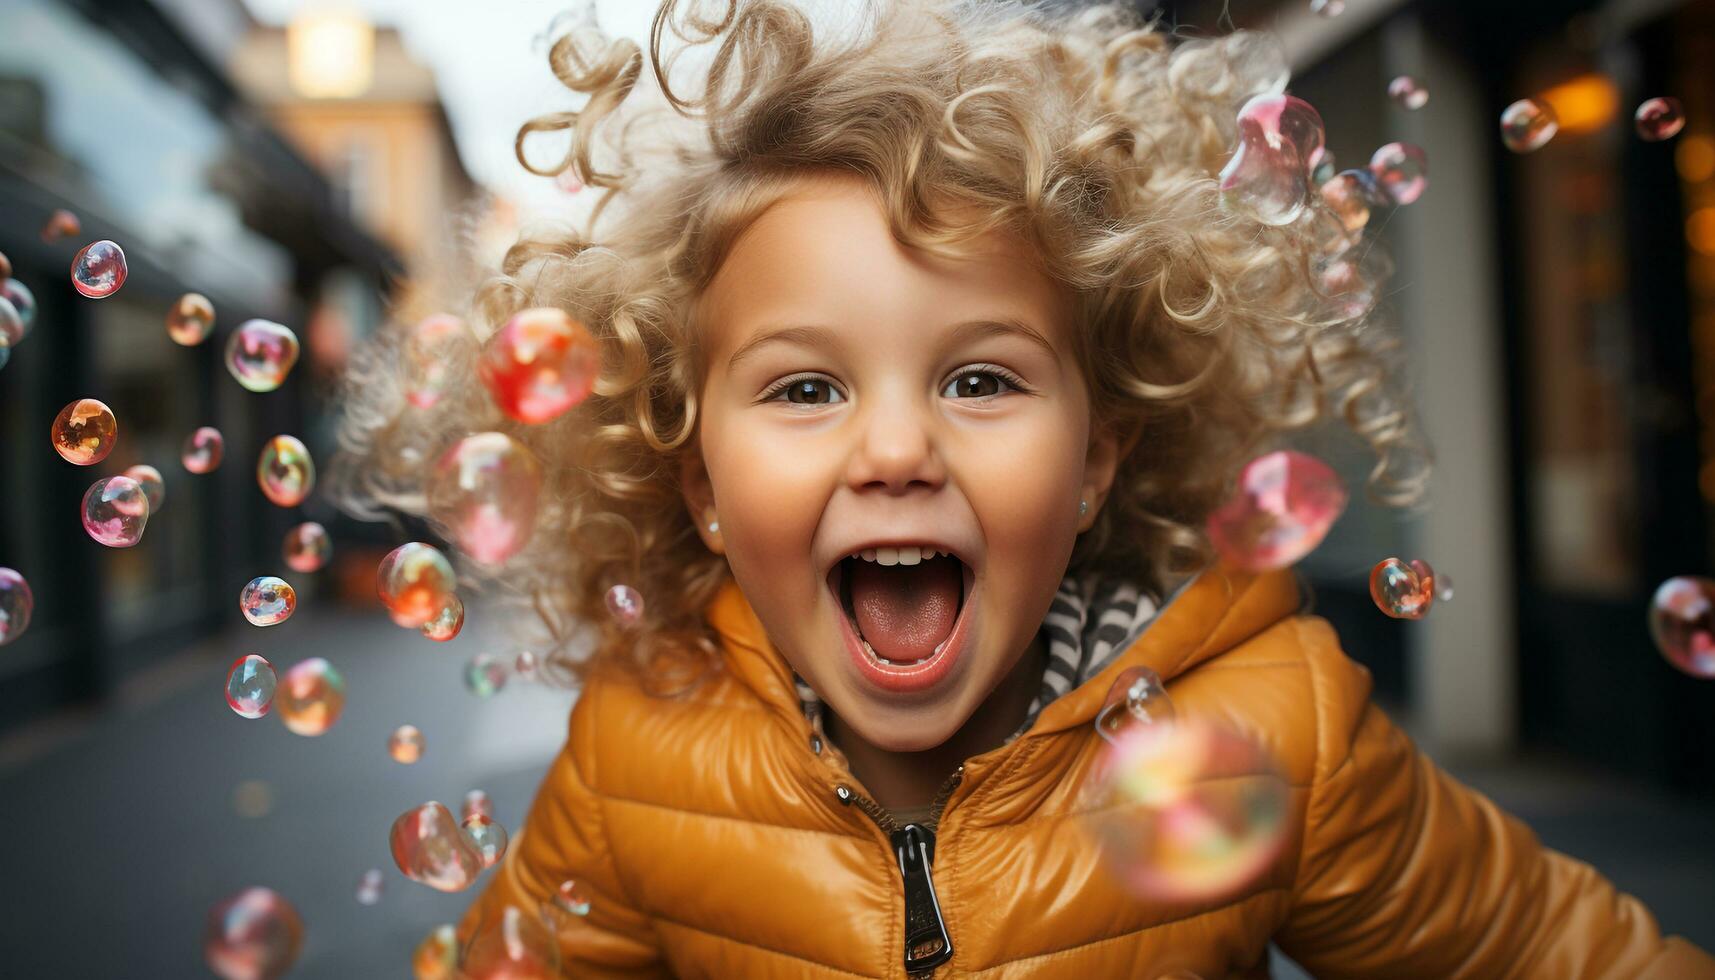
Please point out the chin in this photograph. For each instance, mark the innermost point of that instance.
(904, 728)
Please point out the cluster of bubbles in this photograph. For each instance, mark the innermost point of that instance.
(99, 269)
(285, 471)
(267, 601)
(1184, 810)
(17, 602)
(250, 685)
(405, 745)
(252, 935)
(429, 847)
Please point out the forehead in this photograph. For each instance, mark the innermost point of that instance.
(824, 253)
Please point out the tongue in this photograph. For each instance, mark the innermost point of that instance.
(905, 611)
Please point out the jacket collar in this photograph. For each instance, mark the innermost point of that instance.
(1219, 609)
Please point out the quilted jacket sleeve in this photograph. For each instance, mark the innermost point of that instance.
(1405, 872)
(562, 838)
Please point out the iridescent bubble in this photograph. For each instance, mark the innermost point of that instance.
(437, 956)
(1283, 507)
(514, 945)
(23, 303)
(1268, 177)
(1528, 125)
(430, 848)
(250, 686)
(485, 675)
(190, 320)
(1401, 171)
(525, 667)
(405, 745)
(370, 885)
(1408, 93)
(17, 602)
(267, 601)
(539, 365)
(1659, 118)
(1328, 8)
(431, 349)
(153, 486)
(285, 471)
(488, 837)
(203, 450)
(1136, 697)
(571, 898)
(253, 935)
(1348, 194)
(11, 325)
(447, 623)
(312, 697)
(1195, 812)
(98, 269)
(484, 491)
(307, 547)
(1403, 590)
(415, 581)
(115, 510)
(625, 605)
(476, 803)
(84, 432)
(61, 224)
(1682, 624)
(260, 353)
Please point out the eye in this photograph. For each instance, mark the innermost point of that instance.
(983, 381)
(804, 389)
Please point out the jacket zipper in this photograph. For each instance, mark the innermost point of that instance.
(927, 944)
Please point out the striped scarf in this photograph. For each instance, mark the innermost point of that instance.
(1090, 622)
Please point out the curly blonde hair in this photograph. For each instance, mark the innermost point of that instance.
(1092, 135)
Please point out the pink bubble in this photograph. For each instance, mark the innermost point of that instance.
(253, 935)
(485, 490)
(1268, 177)
(1403, 590)
(98, 269)
(625, 604)
(115, 511)
(430, 848)
(84, 432)
(1682, 624)
(153, 486)
(1659, 118)
(250, 686)
(1282, 509)
(285, 471)
(23, 302)
(1401, 171)
(307, 547)
(260, 353)
(539, 365)
(17, 602)
(1408, 93)
(203, 450)
(1527, 125)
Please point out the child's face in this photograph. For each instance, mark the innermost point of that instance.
(890, 443)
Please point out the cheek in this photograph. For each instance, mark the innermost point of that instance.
(769, 493)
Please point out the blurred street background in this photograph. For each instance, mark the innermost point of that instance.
(316, 164)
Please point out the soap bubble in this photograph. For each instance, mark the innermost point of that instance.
(1403, 590)
(1328, 8)
(1659, 118)
(428, 847)
(267, 601)
(11, 325)
(476, 803)
(312, 697)
(1268, 177)
(1682, 624)
(415, 581)
(190, 320)
(525, 666)
(432, 347)
(625, 605)
(1408, 93)
(539, 365)
(1401, 171)
(1284, 505)
(154, 488)
(260, 353)
(437, 956)
(571, 898)
(513, 945)
(1443, 587)
(1528, 125)
(203, 450)
(370, 885)
(5, 348)
(1135, 697)
(1349, 194)
(115, 511)
(1343, 283)
(253, 935)
(485, 675)
(5, 266)
(1195, 812)
(485, 491)
(285, 471)
(250, 686)
(23, 303)
(84, 432)
(405, 745)
(98, 269)
(447, 623)
(488, 837)
(17, 602)
(61, 224)
(307, 547)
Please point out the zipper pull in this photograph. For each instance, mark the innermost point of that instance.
(927, 944)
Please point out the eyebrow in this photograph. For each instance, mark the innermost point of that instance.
(811, 335)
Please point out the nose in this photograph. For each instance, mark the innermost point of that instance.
(896, 449)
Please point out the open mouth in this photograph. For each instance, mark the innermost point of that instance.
(915, 616)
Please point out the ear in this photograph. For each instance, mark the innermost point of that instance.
(1101, 462)
(699, 494)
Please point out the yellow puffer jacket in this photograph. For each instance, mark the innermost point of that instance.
(713, 840)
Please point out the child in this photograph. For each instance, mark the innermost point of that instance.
(954, 294)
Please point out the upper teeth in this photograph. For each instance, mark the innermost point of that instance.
(899, 556)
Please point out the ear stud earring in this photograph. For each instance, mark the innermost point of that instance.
(1083, 507)
(714, 526)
